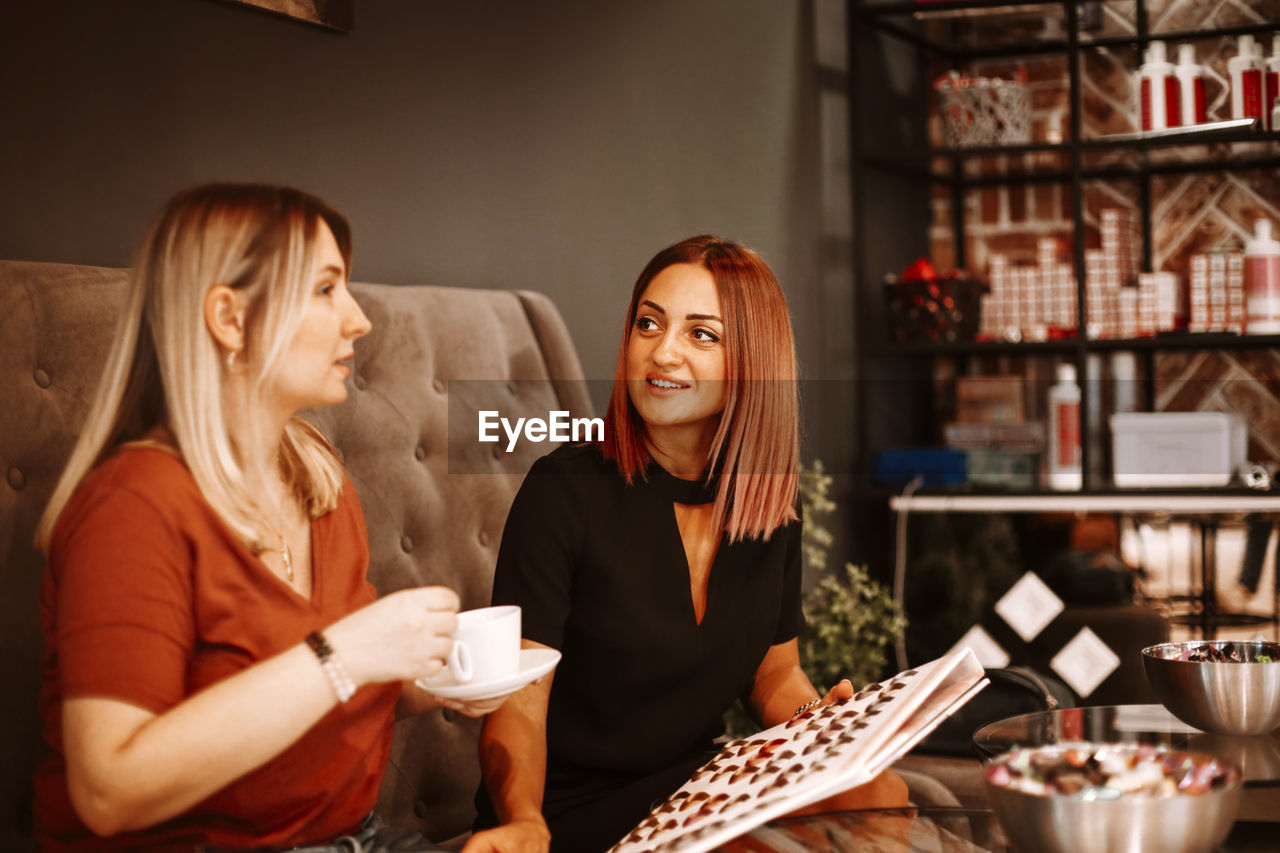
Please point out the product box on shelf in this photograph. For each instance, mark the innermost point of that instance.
(1028, 436)
(989, 399)
(936, 466)
(1003, 469)
(1176, 449)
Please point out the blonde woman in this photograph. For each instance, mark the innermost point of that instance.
(218, 672)
(663, 562)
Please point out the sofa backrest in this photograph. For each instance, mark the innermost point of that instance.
(435, 500)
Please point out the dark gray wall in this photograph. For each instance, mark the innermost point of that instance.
(551, 145)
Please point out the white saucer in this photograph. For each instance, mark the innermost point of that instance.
(534, 663)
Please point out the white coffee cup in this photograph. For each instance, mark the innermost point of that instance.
(486, 645)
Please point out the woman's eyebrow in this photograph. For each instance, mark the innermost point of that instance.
(331, 269)
(656, 307)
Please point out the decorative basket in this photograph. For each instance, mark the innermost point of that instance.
(944, 309)
(984, 111)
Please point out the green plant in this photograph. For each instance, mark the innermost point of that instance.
(852, 622)
(851, 619)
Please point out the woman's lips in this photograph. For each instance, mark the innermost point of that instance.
(665, 383)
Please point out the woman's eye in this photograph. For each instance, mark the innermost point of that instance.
(325, 289)
(646, 324)
(706, 335)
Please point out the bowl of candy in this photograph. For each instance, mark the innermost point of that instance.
(1225, 687)
(1112, 798)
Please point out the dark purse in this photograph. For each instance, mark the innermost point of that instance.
(1013, 690)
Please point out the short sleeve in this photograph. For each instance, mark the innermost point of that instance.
(125, 624)
(540, 547)
(790, 612)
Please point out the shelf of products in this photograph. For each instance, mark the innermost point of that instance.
(891, 167)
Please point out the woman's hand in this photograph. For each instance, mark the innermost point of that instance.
(518, 836)
(404, 636)
(473, 708)
(843, 690)
(781, 689)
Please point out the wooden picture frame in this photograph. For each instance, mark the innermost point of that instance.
(334, 14)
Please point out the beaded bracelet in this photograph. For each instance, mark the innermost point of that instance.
(343, 687)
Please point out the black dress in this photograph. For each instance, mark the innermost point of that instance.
(599, 570)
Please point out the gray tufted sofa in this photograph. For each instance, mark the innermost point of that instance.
(435, 499)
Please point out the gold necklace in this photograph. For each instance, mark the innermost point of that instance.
(286, 558)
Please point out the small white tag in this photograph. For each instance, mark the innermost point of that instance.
(1085, 662)
(1029, 606)
(984, 647)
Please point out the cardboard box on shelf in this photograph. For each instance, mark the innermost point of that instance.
(1176, 449)
(989, 399)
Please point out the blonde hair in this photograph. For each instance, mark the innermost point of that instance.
(756, 448)
(166, 370)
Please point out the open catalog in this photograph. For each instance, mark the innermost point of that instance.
(808, 758)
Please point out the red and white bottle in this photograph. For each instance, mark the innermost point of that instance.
(1190, 87)
(1246, 71)
(1063, 468)
(1271, 88)
(1262, 281)
(1158, 90)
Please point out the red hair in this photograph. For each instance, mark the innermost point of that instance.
(756, 449)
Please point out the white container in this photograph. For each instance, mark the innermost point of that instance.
(1176, 449)
(1192, 108)
(1262, 280)
(1245, 70)
(1157, 90)
(1063, 411)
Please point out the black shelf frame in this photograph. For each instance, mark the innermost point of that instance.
(897, 20)
(1159, 343)
(881, 15)
(1117, 171)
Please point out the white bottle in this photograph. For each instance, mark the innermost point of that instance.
(1262, 281)
(1245, 70)
(1190, 87)
(1064, 431)
(1157, 90)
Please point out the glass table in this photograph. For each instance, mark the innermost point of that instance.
(938, 830)
(965, 830)
(1258, 756)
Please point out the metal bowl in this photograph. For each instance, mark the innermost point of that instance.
(1127, 823)
(1224, 698)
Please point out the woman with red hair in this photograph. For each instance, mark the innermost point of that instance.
(663, 562)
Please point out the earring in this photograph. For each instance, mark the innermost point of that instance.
(231, 359)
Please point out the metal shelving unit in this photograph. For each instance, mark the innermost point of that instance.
(1071, 163)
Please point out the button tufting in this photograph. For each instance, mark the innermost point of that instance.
(42, 378)
(419, 453)
(514, 388)
(449, 715)
(358, 382)
(406, 543)
(438, 385)
(16, 479)
(483, 537)
(420, 810)
(497, 452)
